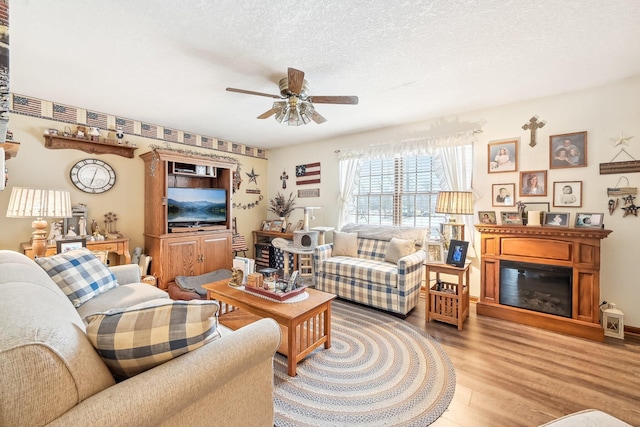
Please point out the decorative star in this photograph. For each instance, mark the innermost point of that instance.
(632, 209)
(252, 177)
(628, 200)
(622, 140)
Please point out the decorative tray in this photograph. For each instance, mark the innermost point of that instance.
(280, 296)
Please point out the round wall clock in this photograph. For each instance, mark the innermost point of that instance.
(92, 176)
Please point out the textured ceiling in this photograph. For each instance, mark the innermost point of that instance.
(168, 62)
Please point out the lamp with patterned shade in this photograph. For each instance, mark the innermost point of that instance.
(29, 203)
(454, 203)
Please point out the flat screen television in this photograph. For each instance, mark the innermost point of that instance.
(193, 207)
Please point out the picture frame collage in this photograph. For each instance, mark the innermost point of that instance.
(568, 150)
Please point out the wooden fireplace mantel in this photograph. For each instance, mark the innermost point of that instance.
(578, 248)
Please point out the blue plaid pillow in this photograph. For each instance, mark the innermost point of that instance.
(134, 339)
(79, 273)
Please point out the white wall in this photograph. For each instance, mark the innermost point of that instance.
(604, 112)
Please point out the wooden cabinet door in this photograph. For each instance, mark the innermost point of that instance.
(180, 257)
(216, 252)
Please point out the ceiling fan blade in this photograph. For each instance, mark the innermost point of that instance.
(250, 92)
(316, 117)
(268, 114)
(333, 99)
(295, 80)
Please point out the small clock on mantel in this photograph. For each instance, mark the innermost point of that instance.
(93, 176)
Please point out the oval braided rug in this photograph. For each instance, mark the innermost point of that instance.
(379, 371)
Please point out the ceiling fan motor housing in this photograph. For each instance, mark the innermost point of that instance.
(284, 89)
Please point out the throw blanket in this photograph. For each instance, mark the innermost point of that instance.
(386, 232)
(194, 283)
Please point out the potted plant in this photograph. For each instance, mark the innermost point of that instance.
(282, 206)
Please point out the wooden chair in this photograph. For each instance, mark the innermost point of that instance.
(238, 242)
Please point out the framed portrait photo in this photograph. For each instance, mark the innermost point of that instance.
(276, 225)
(266, 225)
(555, 219)
(503, 195)
(457, 254)
(435, 252)
(299, 226)
(589, 220)
(533, 183)
(511, 218)
(487, 217)
(568, 150)
(503, 156)
(66, 245)
(567, 194)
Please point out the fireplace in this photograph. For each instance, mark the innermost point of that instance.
(548, 277)
(538, 287)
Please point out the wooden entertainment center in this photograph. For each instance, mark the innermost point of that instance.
(577, 248)
(184, 251)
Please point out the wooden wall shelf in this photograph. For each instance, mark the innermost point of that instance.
(10, 149)
(91, 147)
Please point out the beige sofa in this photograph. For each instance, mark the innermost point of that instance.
(51, 374)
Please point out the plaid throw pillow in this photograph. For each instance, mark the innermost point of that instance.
(140, 337)
(79, 273)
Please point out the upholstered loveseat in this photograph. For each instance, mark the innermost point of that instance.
(380, 266)
(52, 375)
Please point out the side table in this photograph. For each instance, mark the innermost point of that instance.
(447, 302)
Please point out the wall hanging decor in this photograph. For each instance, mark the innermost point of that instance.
(284, 177)
(532, 126)
(503, 156)
(628, 166)
(568, 150)
(623, 192)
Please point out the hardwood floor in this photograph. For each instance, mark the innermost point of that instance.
(514, 375)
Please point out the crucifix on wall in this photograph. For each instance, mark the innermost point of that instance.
(532, 126)
(284, 177)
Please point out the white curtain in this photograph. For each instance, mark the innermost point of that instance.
(456, 177)
(349, 169)
(448, 147)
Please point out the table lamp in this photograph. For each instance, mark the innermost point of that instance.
(455, 203)
(29, 203)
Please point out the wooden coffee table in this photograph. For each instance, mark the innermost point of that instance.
(305, 325)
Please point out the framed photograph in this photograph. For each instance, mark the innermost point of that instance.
(503, 156)
(536, 206)
(567, 194)
(70, 244)
(289, 228)
(533, 183)
(299, 226)
(555, 219)
(276, 225)
(510, 218)
(457, 254)
(487, 217)
(568, 150)
(435, 252)
(266, 225)
(503, 195)
(589, 220)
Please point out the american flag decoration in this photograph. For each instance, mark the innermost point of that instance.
(170, 135)
(125, 124)
(189, 138)
(65, 113)
(150, 131)
(308, 174)
(28, 106)
(98, 120)
(223, 145)
(206, 141)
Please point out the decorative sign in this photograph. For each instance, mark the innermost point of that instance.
(619, 167)
(312, 192)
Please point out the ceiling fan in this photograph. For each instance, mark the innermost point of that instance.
(295, 107)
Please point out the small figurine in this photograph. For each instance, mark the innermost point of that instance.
(236, 277)
(119, 135)
(82, 226)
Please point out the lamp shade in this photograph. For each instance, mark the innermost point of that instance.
(29, 202)
(455, 202)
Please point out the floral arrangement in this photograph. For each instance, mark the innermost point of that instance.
(281, 206)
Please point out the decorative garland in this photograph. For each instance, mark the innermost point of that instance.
(248, 205)
(188, 152)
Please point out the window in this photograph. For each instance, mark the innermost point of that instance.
(400, 191)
